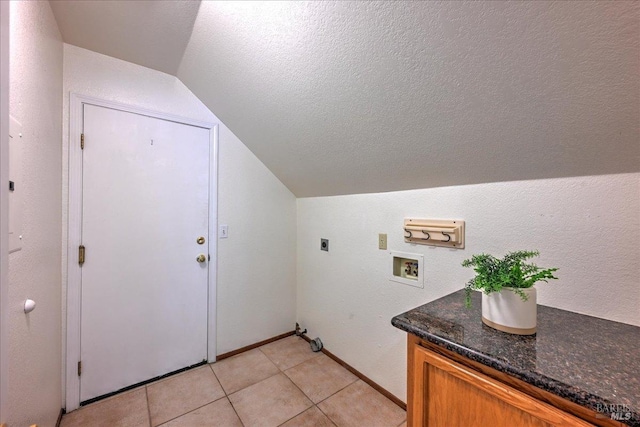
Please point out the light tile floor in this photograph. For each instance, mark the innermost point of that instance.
(282, 383)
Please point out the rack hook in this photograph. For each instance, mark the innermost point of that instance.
(428, 235)
(448, 237)
(410, 234)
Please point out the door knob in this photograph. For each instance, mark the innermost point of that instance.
(201, 258)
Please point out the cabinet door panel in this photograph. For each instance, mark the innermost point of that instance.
(452, 401)
(446, 394)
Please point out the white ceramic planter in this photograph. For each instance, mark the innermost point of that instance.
(506, 312)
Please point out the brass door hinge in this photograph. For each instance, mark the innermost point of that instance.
(82, 141)
(79, 368)
(81, 254)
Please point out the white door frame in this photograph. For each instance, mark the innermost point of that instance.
(75, 225)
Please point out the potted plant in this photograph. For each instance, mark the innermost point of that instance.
(509, 301)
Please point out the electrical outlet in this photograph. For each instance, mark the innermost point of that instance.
(324, 245)
(382, 241)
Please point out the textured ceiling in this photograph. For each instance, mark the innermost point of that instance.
(354, 97)
(149, 33)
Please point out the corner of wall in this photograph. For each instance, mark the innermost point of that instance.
(35, 349)
(4, 211)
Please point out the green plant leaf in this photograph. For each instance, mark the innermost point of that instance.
(493, 274)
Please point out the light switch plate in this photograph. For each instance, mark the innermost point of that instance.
(224, 232)
(382, 241)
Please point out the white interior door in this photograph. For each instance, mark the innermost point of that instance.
(145, 203)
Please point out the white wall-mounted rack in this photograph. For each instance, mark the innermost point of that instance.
(435, 232)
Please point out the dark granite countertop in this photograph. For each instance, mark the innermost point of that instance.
(590, 361)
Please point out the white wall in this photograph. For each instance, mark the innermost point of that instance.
(589, 227)
(34, 272)
(256, 264)
(4, 197)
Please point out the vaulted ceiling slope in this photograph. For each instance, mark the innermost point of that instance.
(356, 97)
(149, 33)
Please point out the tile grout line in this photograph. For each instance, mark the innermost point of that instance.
(303, 411)
(343, 388)
(146, 394)
(251, 385)
(218, 379)
(313, 358)
(260, 348)
(226, 395)
(327, 415)
(281, 371)
(386, 393)
(286, 421)
(303, 393)
(296, 385)
(193, 410)
(317, 405)
(333, 394)
(236, 391)
(267, 356)
(365, 383)
(199, 407)
(317, 354)
(234, 410)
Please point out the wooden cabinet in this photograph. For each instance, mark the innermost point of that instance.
(445, 393)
